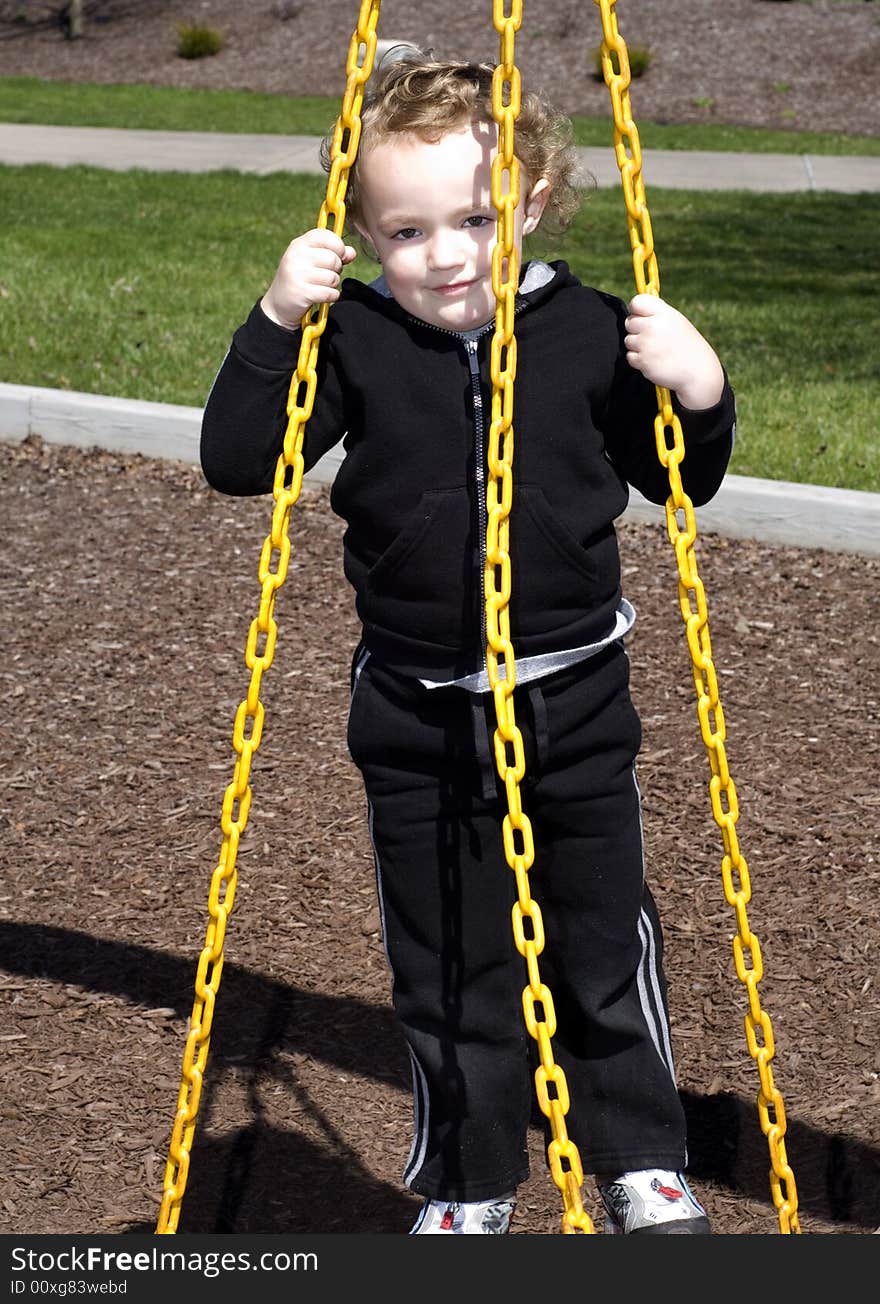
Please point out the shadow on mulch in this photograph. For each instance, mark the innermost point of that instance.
(259, 1178)
(128, 588)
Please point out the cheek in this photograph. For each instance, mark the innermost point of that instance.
(401, 263)
(486, 242)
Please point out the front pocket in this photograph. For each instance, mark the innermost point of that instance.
(423, 584)
(541, 516)
(556, 581)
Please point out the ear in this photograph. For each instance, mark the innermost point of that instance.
(368, 247)
(536, 202)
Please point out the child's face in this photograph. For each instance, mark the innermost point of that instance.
(428, 212)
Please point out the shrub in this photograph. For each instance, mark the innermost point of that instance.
(639, 61)
(198, 42)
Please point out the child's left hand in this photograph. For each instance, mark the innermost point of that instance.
(669, 351)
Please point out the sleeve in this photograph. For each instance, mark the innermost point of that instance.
(628, 426)
(245, 415)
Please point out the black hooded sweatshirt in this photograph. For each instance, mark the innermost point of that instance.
(412, 404)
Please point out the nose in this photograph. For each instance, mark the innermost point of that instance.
(447, 248)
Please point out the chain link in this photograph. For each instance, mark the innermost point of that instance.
(528, 930)
(262, 637)
(682, 530)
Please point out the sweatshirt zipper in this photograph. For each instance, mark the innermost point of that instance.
(471, 346)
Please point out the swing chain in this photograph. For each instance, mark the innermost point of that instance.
(262, 637)
(692, 602)
(540, 1017)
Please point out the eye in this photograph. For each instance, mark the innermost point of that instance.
(477, 220)
(406, 233)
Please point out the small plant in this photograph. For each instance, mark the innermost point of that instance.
(198, 42)
(639, 62)
(703, 102)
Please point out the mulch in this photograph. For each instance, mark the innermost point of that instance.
(806, 66)
(128, 590)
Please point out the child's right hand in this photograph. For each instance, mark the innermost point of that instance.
(309, 272)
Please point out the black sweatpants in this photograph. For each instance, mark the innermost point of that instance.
(446, 894)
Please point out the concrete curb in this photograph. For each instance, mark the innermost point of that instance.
(770, 511)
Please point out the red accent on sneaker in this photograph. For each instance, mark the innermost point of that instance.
(668, 1192)
(448, 1216)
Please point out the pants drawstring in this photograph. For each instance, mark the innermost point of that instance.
(484, 734)
(538, 708)
(484, 749)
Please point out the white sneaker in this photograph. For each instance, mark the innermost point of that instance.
(652, 1201)
(451, 1218)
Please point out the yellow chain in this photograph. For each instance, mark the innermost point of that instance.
(538, 1009)
(551, 1086)
(260, 650)
(692, 601)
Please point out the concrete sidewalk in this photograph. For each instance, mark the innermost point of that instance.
(181, 151)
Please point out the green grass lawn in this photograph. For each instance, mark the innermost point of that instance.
(167, 108)
(132, 283)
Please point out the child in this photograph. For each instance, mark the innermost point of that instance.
(404, 381)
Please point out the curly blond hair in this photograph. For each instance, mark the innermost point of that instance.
(418, 94)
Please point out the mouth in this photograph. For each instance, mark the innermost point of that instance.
(456, 287)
